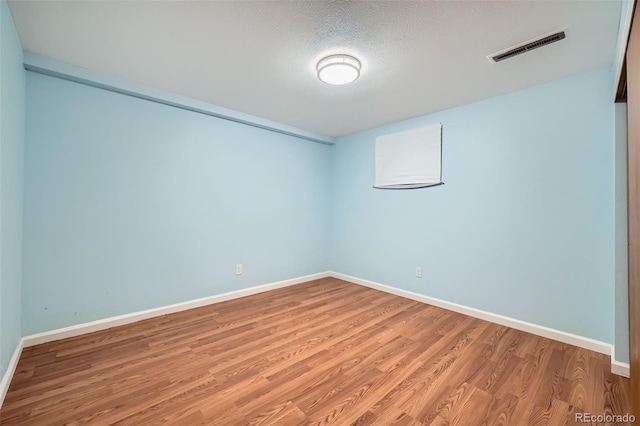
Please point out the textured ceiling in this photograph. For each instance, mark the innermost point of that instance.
(259, 57)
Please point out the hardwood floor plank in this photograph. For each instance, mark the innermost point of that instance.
(474, 409)
(501, 410)
(322, 352)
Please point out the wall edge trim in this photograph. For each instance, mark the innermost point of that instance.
(620, 368)
(626, 16)
(11, 369)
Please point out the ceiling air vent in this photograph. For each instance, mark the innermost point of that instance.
(518, 50)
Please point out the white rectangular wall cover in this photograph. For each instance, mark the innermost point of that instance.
(409, 159)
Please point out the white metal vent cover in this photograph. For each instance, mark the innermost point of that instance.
(527, 46)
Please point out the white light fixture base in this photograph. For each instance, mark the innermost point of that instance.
(338, 69)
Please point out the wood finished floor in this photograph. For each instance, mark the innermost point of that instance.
(323, 352)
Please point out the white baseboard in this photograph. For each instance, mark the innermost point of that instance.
(620, 368)
(77, 330)
(539, 330)
(11, 369)
(103, 324)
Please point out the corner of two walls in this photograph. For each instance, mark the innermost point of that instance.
(524, 225)
(12, 125)
(148, 205)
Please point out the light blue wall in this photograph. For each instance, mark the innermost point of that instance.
(131, 205)
(12, 116)
(621, 237)
(524, 225)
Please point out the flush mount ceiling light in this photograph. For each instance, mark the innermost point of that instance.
(338, 69)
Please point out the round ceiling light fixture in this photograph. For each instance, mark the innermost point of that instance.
(338, 69)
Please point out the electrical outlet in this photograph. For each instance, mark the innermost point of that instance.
(418, 271)
(239, 269)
